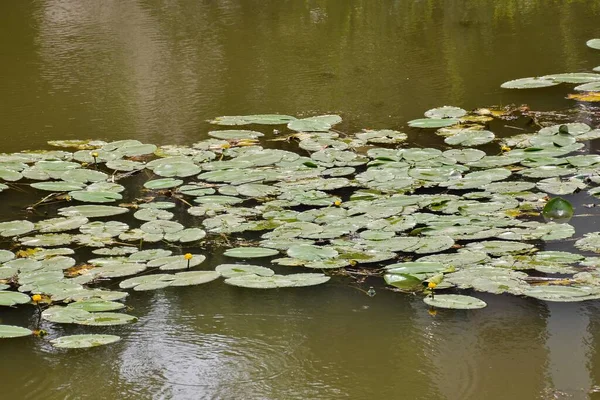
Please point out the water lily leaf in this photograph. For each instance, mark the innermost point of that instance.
(60, 224)
(82, 175)
(95, 196)
(559, 187)
(161, 227)
(6, 255)
(186, 236)
(403, 281)
(445, 112)
(500, 247)
(578, 77)
(11, 331)
(589, 242)
(589, 87)
(15, 228)
(235, 135)
(104, 229)
(10, 175)
(454, 301)
(216, 199)
(432, 122)
(107, 319)
(260, 119)
(174, 168)
(412, 268)
(118, 270)
(151, 254)
(277, 281)
(83, 341)
(152, 214)
(307, 252)
(231, 270)
(558, 209)
(562, 293)
(147, 281)
(96, 305)
(382, 136)
(190, 278)
(58, 186)
(470, 138)
(46, 240)
(12, 298)
(320, 123)
(176, 262)
(529, 83)
(125, 165)
(164, 183)
(250, 252)
(91, 211)
(593, 43)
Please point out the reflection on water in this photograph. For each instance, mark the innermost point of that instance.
(157, 70)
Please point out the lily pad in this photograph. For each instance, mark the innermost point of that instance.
(83, 341)
(470, 138)
(277, 281)
(250, 252)
(454, 301)
(11, 331)
(235, 135)
(12, 298)
(529, 83)
(445, 112)
(91, 211)
(432, 122)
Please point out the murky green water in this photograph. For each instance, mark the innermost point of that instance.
(157, 70)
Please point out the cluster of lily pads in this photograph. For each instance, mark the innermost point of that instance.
(425, 219)
(588, 82)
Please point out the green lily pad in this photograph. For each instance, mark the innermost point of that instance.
(11, 331)
(58, 186)
(95, 305)
(91, 211)
(593, 86)
(250, 252)
(260, 119)
(320, 123)
(83, 341)
(164, 183)
(578, 77)
(12, 298)
(95, 196)
(277, 281)
(235, 135)
(403, 281)
(454, 301)
(15, 228)
(562, 293)
(432, 122)
(445, 112)
(309, 252)
(470, 138)
(529, 83)
(190, 278)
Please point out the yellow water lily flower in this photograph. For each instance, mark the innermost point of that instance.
(188, 256)
(431, 285)
(36, 297)
(337, 203)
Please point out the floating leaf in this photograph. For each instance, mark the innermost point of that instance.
(164, 183)
(95, 196)
(454, 301)
(12, 298)
(58, 186)
(194, 278)
(83, 341)
(309, 252)
(432, 122)
(15, 228)
(11, 331)
(529, 83)
(445, 112)
(91, 211)
(235, 135)
(277, 281)
(250, 252)
(260, 119)
(470, 138)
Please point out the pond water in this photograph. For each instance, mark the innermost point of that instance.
(156, 71)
